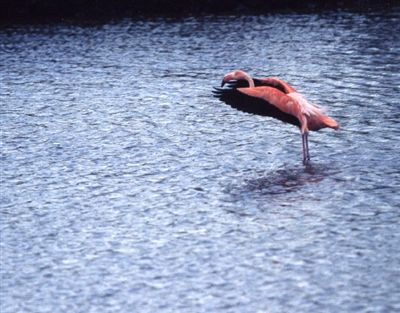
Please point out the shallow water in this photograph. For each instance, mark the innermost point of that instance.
(126, 187)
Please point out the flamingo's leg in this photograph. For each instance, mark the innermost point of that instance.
(307, 151)
(303, 139)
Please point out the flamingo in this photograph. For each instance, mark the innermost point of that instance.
(274, 97)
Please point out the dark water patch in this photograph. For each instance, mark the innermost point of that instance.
(286, 180)
(101, 10)
(281, 181)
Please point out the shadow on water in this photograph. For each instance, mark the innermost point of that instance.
(287, 180)
(283, 182)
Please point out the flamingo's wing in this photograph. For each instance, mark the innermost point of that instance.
(253, 104)
(268, 81)
(276, 83)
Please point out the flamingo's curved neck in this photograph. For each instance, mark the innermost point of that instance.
(248, 79)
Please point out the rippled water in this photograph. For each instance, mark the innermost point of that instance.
(126, 187)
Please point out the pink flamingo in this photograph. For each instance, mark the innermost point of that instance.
(274, 97)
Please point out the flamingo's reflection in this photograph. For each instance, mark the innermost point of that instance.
(281, 181)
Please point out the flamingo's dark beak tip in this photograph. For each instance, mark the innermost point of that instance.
(222, 83)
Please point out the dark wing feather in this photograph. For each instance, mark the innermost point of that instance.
(253, 105)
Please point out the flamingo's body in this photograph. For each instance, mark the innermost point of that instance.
(274, 97)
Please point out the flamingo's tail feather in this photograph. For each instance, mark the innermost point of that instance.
(330, 122)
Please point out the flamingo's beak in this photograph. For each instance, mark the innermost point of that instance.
(223, 83)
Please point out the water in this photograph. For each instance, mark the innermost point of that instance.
(126, 187)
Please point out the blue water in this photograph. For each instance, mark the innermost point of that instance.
(126, 187)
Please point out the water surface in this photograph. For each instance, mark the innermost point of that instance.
(126, 187)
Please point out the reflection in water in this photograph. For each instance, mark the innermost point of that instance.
(279, 187)
(287, 180)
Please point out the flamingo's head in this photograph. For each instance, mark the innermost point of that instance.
(234, 75)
